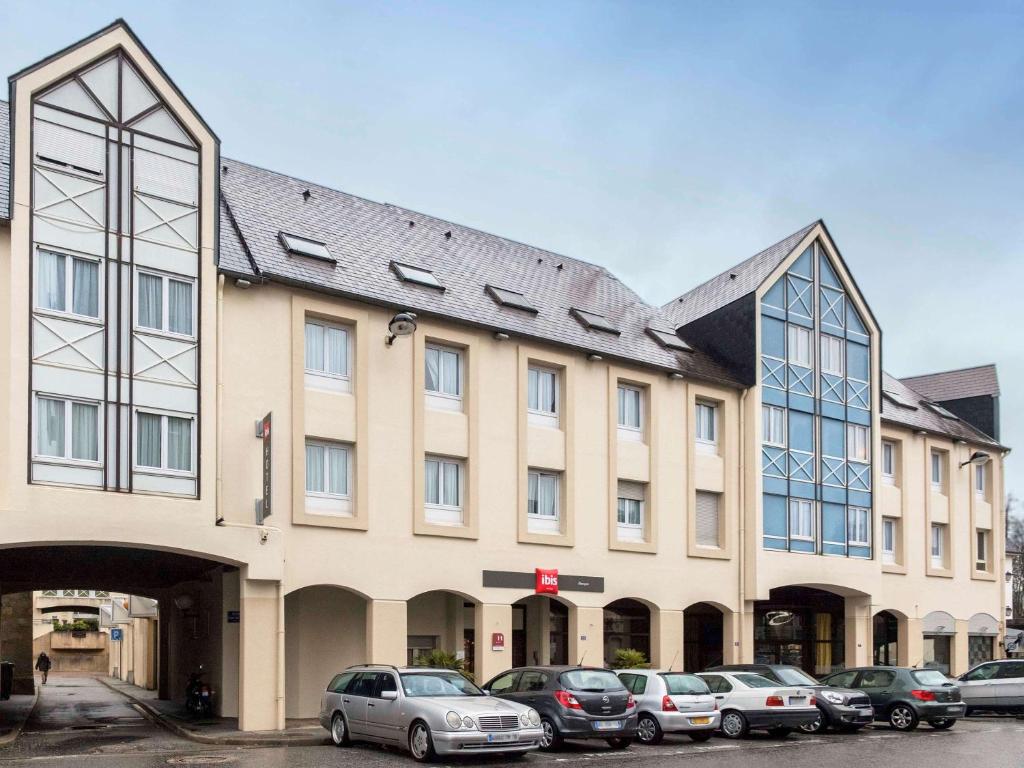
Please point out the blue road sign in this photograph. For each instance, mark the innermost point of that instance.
(117, 634)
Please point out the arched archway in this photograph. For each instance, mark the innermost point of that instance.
(703, 637)
(442, 620)
(982, 631)
(540, 630)
(885, 638)
(804, 626)
(627, 625)
(938, 629)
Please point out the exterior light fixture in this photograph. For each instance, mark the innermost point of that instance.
(977, 459)
(242, 283)
(402, 324)
(499, 336)
(675, 375)
(594, 357)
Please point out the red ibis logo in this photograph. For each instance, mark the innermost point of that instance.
(547, 581)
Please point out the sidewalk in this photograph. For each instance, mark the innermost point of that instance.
(216, 730)
(13, 714)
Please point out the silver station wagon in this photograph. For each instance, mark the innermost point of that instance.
(429, 712)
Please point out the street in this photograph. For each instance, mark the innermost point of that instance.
(78, 721)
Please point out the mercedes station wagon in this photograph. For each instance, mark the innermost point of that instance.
(428, 712)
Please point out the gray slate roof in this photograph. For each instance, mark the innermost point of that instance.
(953, 385)
(923, 417)
(734, 283)
(5, 161)
(365, 237)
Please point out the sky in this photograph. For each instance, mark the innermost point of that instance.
(664, 141)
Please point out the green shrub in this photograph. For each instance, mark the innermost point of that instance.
(440, 660)
(629, 658)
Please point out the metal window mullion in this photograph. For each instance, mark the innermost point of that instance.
(164, 426)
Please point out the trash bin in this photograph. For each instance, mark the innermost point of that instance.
(6, 679)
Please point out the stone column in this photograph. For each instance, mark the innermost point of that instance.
(260, 667)
(387, 636)
(666, 639)
(857, 621)
(959, 646)
(16, 640)
(738, 636)
(586, 636)
(488, 619)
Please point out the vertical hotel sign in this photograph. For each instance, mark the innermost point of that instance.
(263, 505)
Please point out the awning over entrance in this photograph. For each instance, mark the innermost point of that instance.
(983, 624)
(938, 623)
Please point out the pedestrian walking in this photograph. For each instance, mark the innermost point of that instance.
(43, 664)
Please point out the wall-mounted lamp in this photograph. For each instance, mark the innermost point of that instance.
(499, 336)
(594, 357)
(675, 375)
(242, 283)
(402, 324)
(977, 458)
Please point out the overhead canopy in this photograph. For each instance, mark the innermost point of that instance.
(983, 624)
(938, 623)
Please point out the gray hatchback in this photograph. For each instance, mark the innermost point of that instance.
(903, 697)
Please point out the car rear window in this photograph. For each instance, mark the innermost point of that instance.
(754, 681)
(929, 677)
(592, 680)
(792, 676)
(685, 685)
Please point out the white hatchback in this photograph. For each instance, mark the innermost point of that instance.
(670, 702)
(751, 702)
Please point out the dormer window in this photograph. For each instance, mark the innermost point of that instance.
(303, 246)
(593, 321)
(410, 274)
(669, 340)
(507, 298)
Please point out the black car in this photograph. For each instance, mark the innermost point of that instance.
(573, 702)
(840, 708)
(903, 697)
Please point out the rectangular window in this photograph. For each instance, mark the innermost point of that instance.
(327, 469)
(708, 522)
(542, 396)
(938, 545)
(327, 356)
(859, 526)
(799, 347)
(707, 427)
(981, 557)
(442, 492)
(67, 284)
(630, 513)
(773, 425)
(858, 447)
(443, 377)
(888, 540)
(801, 519)
(832, 355)
(936, 460)
(164, 442)
(979, 480)
(631, 407)
(61, 437)
(542, 497)
(164, 304)
(889, 462)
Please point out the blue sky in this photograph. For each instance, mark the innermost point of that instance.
(665, 141)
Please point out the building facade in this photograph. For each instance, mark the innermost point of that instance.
(462, 443)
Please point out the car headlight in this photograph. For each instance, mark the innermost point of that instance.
(454, 720)
(835, 698)
(524, 718)
(534, 716)
(467, 722)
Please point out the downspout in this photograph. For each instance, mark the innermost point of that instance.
(743, 518)
(280, 657)
(219, 504)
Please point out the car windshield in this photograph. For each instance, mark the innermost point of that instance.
(438, 684)
(754, 681)
(591, 680)
(683, 685)
(792, 676)
(930, 677)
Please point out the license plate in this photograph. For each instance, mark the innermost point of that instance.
(953, 709)
(495, 737)
(700, 720)
(796, 701)
(608, 725)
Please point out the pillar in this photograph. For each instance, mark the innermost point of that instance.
(538, 630)
(738, 636)
(387, 635)
(16, 640)
(666, 639)
(260, 663)
(911, 642)
(586, 636)
(163, 652)
(229, 645)
(858, 626)
(960, 647)
(491, 659)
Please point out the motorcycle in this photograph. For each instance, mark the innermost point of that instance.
(198, 695)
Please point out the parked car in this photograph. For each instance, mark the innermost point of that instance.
(903, 697)
(671, 702)
(995, 686)
(840, 708)
(427, 711)
(573, 702)
(751, 702)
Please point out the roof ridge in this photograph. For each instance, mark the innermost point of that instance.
(951, 370)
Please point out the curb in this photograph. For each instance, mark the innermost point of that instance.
(9, 738)
(158, 717)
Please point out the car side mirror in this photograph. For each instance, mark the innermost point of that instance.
(485, 691)
(389, 695)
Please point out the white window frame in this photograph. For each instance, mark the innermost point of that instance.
(980, 480)
(938, 545)
(858, 521)
(535, 413)
(935, 462)
(68, 436)
(889, 530)
(165, 304)
(626, 531)
(706, 444)
(325, 502)
(833, 350)
(163, 469)
(767, 413)
(718, 515)
(889, 462)
(795, 334)
(536, 523)
(981, 544)
(444, 514)
(854, 433)
(445, 401)
(324, 379)
(628, 431)
(69, 288)
(796, 507)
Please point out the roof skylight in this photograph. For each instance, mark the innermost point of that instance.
(303, 246)
(943, 412)
(411, 274)
(593, 321)
(507, 298)
(899, 399)
(669, 340)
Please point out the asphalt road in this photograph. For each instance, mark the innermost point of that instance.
(79, 722)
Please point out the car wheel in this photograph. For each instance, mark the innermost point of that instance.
(619, 742)
(902, 717)
(700, 735)
(421, 745)
(779, 733)
(942, 725)
(648, 730)
(339, 732)
(550, 739)
(734, 724)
